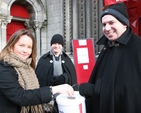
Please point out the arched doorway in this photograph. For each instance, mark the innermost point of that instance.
(19, 14)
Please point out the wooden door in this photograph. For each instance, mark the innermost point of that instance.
(19, 11)
(12, 27)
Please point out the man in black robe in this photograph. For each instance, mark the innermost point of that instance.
(115, 82)
(55, 67)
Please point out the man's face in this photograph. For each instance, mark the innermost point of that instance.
(56, 48)
(112, 28)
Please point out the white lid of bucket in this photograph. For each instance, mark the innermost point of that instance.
(64, 99)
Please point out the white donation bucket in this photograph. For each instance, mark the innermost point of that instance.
(75, 104)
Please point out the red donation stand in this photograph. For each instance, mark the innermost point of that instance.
(84, 58)
(110, 2)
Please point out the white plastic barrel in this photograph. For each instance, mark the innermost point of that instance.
(75, 104)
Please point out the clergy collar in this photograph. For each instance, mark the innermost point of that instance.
(51, 53)
(113, 44)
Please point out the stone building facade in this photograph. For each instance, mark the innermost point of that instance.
(74, 19)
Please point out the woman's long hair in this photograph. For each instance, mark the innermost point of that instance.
(14, 39)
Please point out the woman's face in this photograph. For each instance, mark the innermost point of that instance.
(23, 47)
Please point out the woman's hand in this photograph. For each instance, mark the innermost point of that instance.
(63, 89)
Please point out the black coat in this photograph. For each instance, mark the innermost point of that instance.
(44, 69)
(117, 74)
(13, 96)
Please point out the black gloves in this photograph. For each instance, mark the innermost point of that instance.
(75, 87)
(86, 89)
(61, 79)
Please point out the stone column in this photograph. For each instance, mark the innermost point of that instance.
(67, 26)
(88, 19)
(37, 27)
(100, 33)
(3, 23)
(75, 19)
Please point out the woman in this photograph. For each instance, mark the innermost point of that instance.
(19, 87)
